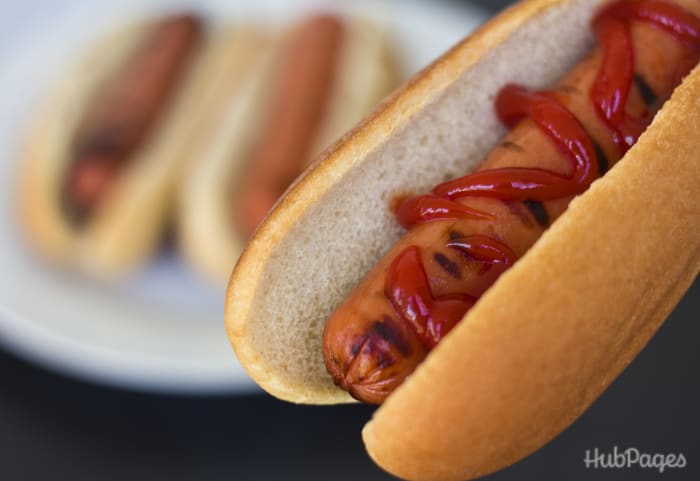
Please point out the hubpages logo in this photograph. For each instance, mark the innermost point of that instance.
(631, 457)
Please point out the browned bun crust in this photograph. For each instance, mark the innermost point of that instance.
(128, 223)
(552, 333)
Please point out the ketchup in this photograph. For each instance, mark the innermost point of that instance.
(407, 286)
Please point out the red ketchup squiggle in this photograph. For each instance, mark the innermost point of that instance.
(407, 285)
(614, 81)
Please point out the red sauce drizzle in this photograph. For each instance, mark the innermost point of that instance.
(407, 285)
(408, 290)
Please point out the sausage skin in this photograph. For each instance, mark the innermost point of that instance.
(367, 346)
(299, 98)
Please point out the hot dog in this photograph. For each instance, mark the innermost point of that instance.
(571, 311)
(442, 265)
(120, 117)
(104, 159)
(302, 89)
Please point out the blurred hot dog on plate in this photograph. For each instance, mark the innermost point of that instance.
(303, 90)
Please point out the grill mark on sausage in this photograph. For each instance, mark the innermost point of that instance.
(603, 163)
(512, 146)
(539, 213)
(357, 345)
(518, 211)
(448, 265)
(454, 235)
(648, 95)
(387, 330)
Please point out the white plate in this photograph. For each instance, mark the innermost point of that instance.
(163, 329)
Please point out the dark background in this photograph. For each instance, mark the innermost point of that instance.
(52, 427)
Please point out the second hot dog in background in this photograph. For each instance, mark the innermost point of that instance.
(303, 90)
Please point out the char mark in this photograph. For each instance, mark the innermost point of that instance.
(512, 146)
(387, 330)
(538, 212)
(648, 95)
(454, 235)
(603, 163)
(357, 345)
(448, 265)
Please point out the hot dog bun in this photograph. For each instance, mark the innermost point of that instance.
(364, 73)
(554, 330)
(128, 223)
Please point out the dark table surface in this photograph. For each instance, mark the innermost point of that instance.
(52, 427)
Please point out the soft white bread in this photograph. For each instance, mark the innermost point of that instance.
(552, 333)
(364, 74)
(128, 223)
